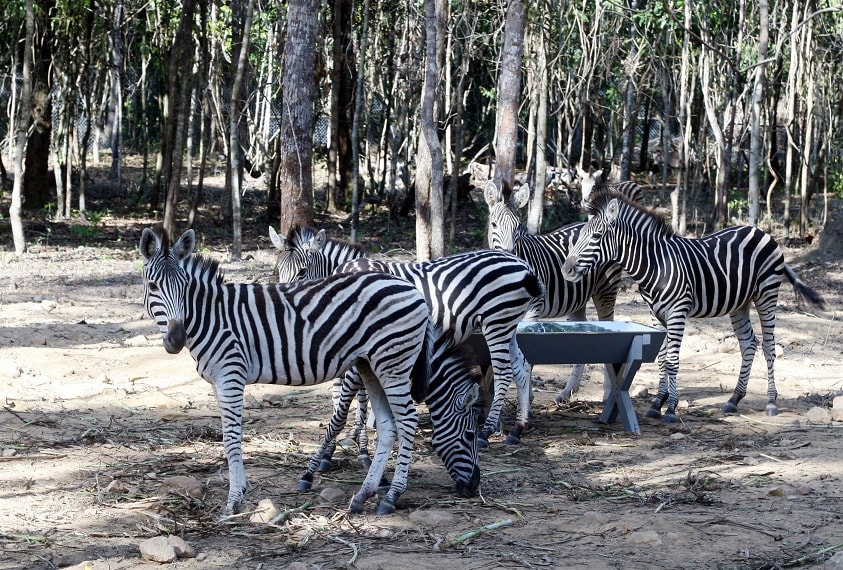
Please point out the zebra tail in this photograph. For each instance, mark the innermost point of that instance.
(802, 289)
(420, 383)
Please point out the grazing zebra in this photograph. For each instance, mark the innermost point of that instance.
(299, 334)
(591, 183)
(486, 291)
(545, 254)
(452, 392)
(680, 278)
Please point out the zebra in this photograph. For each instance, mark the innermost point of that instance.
(453, 392)
(680, 278)
(593, 182)
(299, 334)
(545, 254)
(490, 291)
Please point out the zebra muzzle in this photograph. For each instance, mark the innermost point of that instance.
(175, 337)
(569, 269)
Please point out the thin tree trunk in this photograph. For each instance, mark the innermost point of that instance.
(756, 158)
(115, 106)
(356, 199)
(429, 168)
(534, 215)
(509, 93)
(235, 168)
(21, 125)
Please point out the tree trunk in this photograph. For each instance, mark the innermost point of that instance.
(509, 92)
(21, 127)
(534, 215)
(429, 168)
(756, 158)
(299, 85)
(178, 103)
(115, 104)
(356, 199)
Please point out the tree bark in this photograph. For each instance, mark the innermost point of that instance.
(756, 159)
(509, 91)
(429, 168)
(356, 200)
(299, 85)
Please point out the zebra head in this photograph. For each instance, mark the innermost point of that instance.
(455, 423)
(588, 182)
(295, 253)
(597, 242)
(505, 227)
(165, 283)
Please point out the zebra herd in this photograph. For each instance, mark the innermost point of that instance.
(392, 333)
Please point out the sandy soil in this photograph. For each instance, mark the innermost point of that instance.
(95, 416)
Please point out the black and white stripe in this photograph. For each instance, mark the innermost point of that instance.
(680, 278)
(481, 291)
(545, 254)
(299, 334)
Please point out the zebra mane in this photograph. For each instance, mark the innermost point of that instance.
(598, 202)
(203, 268)
(299, 234)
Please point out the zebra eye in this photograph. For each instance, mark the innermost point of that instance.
(152, 286)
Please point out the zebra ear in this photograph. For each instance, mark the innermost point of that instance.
(318, 241)
(612, 210)
(278, 240)
(582, 173)
(149, 244)
(522, 196)
(466, 400)
(185, 245)
(492, 193)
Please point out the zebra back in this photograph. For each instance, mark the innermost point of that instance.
(307, 254)
(592, 182)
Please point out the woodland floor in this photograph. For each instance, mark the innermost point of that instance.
(94, 415)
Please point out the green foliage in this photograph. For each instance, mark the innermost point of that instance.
(835, 184)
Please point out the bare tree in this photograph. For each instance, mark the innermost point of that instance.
(21, 127)
(756, 158)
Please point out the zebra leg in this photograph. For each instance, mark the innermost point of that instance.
(358, 433)
(748, 343)
(668, 368)
(502, 370)
(229, 394)
(521, 372)
(343, 391)
(767, 317)
(335, 425)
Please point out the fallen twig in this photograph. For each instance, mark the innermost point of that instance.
(478, 531)
(812, 556)
(287, 513)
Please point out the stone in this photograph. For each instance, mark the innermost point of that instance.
(182, 548)
(678, 435)
(137, 340)
(835, 562)
(332, 495)
(644, 538)
(181, 485)
(297, 566)
(818, 415)
(158, 549)
(776, 492)
(264, 512)
(639, 392)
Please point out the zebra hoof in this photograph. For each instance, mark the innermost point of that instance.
(730, 408)
(772, 410)
(325, 465)
(306, 482)
(386, 506)
(482, 443)
(654, 413)
(364, 460)
(356, 506)
(512, 440)
(669, 418)
(562, 398)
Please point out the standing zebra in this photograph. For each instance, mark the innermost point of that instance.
(296, 335)
(486, 291)
(590, 183)
(545, 254)
(680, 278)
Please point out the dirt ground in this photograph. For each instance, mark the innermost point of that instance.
(96, 415)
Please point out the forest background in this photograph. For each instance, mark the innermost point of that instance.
(732, 108)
